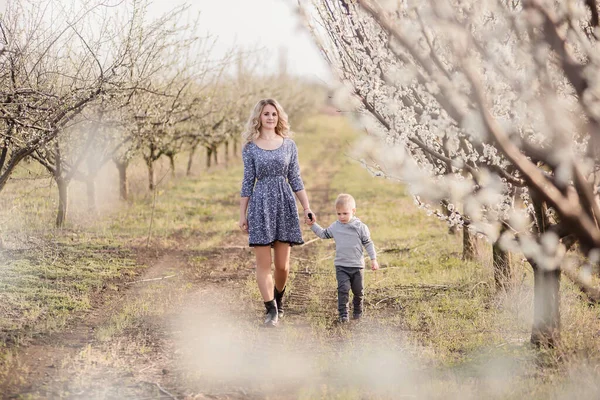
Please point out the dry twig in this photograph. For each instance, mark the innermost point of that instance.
(151, 279)
(163, 390)
(309, 242)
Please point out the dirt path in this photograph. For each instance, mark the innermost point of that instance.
(195, 333)
(124, 346)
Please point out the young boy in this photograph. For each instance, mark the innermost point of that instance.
(350, 235)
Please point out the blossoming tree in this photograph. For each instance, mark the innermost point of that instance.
(490, 104)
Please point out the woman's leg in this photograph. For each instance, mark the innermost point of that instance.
(282, 270)
(263, 272)
(282, 264)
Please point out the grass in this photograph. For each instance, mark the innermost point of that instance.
(49, 274)
(434, 323)
(41, 288)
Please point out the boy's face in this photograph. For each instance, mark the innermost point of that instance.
(345, 213)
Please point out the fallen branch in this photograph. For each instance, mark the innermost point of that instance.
(477, 284)
(424, 298)
(163, 390)
(333, 272)
(145, 368)
(593, 293)
(326, 258)
(151, 279)
(307, 272)
(386, 298)
(309, 242)
(299, 258)
(395, 250)
(426, 286)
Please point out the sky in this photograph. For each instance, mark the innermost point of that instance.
(266, 24)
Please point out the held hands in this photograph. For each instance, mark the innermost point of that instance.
(309, 217)
(243, 224)
(374, 265)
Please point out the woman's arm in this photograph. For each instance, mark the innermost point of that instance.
(303, 197)
(249, 173)
(247, 187)
(243, 209)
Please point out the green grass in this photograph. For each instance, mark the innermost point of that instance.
(48, 274)
(41, 288)
(196, 205)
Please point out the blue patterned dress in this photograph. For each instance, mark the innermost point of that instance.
(270, 176)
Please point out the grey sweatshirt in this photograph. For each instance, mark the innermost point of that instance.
(349, 241)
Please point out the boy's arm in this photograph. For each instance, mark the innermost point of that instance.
(320, 232)
(369, 245)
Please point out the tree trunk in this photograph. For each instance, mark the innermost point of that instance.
(226, 152)
(123, 183)
(215, 158)
(188, 171)
(10, 164)
(91, 193)
(502, 267)
(546, 307)
(546, 301)
(208, 156)
(150, 165)
(235, 147)
(63, 198)
(172, 164)
(469, 248)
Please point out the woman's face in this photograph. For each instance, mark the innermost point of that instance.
(269, 117)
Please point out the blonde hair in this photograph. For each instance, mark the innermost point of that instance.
(344, 200)
(252, 131)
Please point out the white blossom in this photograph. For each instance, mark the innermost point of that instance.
(428, 87)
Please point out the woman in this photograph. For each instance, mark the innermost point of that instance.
(268, 210)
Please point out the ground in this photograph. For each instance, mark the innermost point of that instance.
(162, 303)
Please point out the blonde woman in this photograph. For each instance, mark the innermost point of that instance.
(268, 210)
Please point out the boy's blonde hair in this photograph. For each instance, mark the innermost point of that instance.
(345, 199)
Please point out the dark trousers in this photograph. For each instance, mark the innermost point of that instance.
(350, 278)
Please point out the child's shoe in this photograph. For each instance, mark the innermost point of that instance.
(271, 318)
(356, 317)
(343, 320)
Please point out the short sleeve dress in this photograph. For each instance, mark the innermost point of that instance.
(270, 178)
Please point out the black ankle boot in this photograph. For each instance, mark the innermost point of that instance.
(279, 300)
(271, 318)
